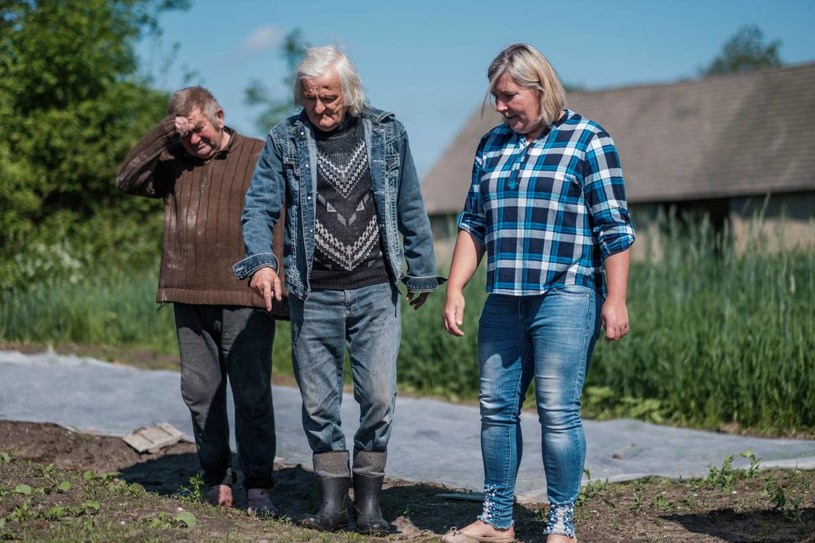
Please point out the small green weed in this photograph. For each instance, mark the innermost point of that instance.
(193, 491)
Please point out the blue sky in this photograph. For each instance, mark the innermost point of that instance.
(426, 60)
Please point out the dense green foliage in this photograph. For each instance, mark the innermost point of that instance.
(744, 52)
(71, 105)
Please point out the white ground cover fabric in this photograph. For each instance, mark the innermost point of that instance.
(432, 441)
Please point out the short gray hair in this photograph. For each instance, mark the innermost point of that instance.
(183, 101)
(318, 62)
(528, 67)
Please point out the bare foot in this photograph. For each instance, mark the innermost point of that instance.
(482, 529)
(220, 495)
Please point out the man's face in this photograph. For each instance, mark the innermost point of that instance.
(203, 139)
(323, 101)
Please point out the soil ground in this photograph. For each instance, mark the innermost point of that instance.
(59, 485)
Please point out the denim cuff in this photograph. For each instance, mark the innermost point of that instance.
(423, 284)
(249, 265)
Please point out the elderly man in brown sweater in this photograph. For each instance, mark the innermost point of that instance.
(202, 170)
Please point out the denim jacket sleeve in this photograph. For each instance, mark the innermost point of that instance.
(262, 209)
(414, 225)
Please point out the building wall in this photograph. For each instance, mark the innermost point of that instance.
(783, 221)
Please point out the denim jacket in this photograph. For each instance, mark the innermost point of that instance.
(285, 179)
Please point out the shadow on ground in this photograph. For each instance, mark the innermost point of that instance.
(747, 526)
(408, 507)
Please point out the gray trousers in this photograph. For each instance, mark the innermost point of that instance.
(216, 343)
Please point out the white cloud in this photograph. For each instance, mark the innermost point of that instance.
(262, 38)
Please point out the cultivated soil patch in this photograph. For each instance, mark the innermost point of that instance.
(56, 485)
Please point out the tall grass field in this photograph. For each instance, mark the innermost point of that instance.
(718, 335)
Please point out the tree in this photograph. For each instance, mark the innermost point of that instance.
(257, 94)
(72, 105)
(744, 52)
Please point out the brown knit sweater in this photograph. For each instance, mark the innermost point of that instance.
(203, 201)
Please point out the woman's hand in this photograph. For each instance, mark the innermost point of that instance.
(453, 314)
(615, 319)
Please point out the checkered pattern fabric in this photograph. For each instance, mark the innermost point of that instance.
(550, 211)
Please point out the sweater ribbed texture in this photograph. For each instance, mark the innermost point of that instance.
(203, 204)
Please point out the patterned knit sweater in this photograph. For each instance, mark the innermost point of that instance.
(203, 201)
(348, 248)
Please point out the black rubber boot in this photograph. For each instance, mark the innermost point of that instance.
(333, 481)
(369, 473)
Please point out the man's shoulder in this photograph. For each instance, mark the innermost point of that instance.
(378, 116)
(245, 144)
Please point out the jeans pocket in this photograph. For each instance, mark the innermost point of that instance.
(572, 290)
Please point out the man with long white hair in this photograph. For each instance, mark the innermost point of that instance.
(344, 175)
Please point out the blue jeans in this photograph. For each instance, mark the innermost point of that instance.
(366, 320)
(216, 342)
(549, 338)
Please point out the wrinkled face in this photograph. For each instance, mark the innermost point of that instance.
(204, 139)
(323, 101)
(520, 106)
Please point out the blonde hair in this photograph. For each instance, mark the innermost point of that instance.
(318, 62)
(528, 67)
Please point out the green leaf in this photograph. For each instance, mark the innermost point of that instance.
(64, 486)
(23, 489)
(186, 518)
(91, 506)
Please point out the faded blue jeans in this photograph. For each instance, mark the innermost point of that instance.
(549, 338)
(366, 320)
(216, 343)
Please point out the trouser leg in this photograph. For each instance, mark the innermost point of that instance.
(203, 388)
(318, 352)
(246, 341)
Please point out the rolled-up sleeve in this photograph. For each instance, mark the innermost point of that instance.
(473, 218)
(605, 196)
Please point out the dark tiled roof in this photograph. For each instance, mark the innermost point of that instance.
(734, 135)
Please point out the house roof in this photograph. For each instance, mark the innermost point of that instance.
(733, 135)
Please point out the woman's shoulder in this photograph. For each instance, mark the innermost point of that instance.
(576, 121)
(498, 135)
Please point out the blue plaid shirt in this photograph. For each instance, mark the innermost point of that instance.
(548, 213)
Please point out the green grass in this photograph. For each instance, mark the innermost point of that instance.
(718, 335)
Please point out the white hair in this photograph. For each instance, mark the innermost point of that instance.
(319, 61)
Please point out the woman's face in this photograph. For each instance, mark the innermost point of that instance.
(520, 106)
